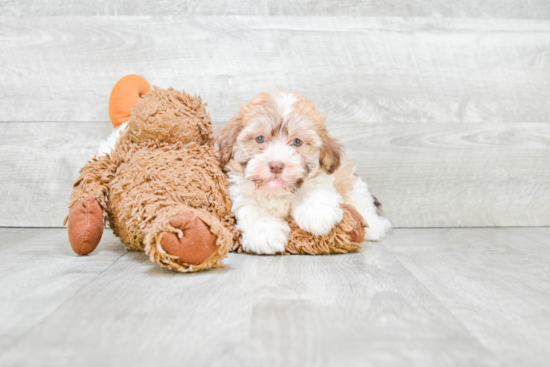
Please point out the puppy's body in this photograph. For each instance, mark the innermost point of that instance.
(281, 163)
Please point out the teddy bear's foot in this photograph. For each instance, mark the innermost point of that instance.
(187, 239)
(195, 244)
(85, 225)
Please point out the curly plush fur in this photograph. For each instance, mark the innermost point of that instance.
(337, 241)
(165, 163)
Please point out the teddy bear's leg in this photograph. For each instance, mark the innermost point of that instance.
(87, 208)
(85, 225)
(186, 239)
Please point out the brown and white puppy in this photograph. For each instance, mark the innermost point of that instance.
(282, 162)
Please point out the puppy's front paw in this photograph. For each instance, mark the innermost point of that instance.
(266, 237)
(319, 212)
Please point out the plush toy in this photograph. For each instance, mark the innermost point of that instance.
(160, 187)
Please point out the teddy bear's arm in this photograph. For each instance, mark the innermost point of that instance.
(346, 236)
(88, 205)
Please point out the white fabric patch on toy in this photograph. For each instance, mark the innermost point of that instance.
(105, 146)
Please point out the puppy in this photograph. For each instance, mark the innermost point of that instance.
(282, 162)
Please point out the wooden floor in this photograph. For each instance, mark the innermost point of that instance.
(442, 105)
(422, 297)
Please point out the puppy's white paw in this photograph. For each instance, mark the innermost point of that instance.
(378, 226)
(266, 236)
(318, 212)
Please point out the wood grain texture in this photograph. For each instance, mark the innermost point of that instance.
(353, 310)
(454, 175)
(143, 312)
(425, 175)
(494, 281)
(532, 9)
(353, 68)
(39, 164)
(39, 272)
(422, 297)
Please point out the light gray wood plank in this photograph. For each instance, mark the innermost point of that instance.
(537, 9)
(454, 175)
(6, 232)
(39, 273)
(354, 310)
(39, 164)
(363, 69)
(425, 175)
(496, 282)
(139, 314)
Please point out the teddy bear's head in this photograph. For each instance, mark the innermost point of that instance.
(170, 116)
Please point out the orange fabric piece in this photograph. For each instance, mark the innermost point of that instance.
(85, 225)
(125, 95)
(163, 191)
(358, 233)
(196, 244)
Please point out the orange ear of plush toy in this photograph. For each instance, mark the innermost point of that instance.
(124, 96)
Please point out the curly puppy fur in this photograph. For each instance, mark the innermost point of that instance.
(282, 163)
(164, 163)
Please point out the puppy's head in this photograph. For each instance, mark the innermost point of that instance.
(277, 141)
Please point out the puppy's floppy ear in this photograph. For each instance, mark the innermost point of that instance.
(331, 153)
(226, 137)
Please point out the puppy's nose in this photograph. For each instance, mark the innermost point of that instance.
(276, 167)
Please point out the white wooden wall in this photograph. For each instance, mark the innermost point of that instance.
(443, 106)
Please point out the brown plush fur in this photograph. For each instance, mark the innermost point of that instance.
(165, 163)
(338, 241)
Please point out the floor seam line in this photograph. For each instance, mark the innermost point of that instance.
(24, 335)
(451, 313)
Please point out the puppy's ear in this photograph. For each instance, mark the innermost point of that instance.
(226, 137)
(331, 154)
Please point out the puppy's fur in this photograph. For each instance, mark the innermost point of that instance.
(315, 178)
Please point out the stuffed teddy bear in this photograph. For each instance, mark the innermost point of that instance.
(158, 183)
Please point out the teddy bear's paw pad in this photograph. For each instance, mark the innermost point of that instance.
(358, 234)
(85, 225)
(197, 243)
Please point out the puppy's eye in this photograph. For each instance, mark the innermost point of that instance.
(260, 139)
(296, 142)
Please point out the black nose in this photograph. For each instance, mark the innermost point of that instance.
(276, 167)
